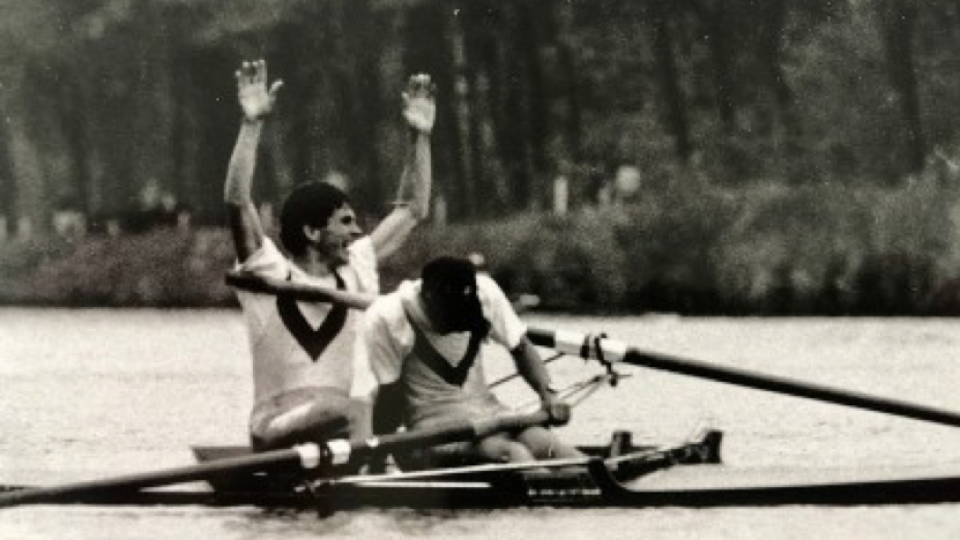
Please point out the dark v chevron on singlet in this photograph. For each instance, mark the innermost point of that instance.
(431, 357)
(314, 342)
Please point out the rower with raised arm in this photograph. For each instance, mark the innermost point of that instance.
(302, 352)
(421, 353)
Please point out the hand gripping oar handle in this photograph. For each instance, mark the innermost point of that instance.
(307, 456)
(612, 351)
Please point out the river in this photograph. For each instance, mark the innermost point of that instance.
(91, 393)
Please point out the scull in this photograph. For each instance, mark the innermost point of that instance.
(617, 475)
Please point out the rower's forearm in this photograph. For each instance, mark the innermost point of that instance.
(540, 383)
(362, 428)
(532, 369)
(239, 185)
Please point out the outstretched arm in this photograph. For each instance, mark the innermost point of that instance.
(256, 102)
(413, 195)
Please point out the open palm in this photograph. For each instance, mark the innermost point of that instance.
(419, 106)
(252, 92)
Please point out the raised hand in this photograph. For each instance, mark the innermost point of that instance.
(252, 92)
(419, 106)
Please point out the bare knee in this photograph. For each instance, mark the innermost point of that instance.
(309, 422)
(544, 444)
(502, 449)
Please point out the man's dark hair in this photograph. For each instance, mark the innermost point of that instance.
(308, 204)
(449, 273)
(451, 283)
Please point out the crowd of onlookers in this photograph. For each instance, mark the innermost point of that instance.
(155, 208)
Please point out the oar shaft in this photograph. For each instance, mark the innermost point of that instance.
(303, 292)
(204, 471)
(423, 438)
(615, 351)
(308, 456)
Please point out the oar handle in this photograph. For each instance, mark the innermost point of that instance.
(307, 456)
(308, 293)
(613, 351)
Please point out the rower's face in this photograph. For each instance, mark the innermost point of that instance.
(333, 240)
(434, 312)
(447, 313)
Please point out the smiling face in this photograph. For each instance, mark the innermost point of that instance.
(331, 242)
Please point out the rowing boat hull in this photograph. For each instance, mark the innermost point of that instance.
(599, 490)
(667, 486)
(564, 482)
(730, 486)
(652, 481)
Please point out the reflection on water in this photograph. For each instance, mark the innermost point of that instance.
(89, 393)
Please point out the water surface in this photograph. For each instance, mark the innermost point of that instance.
(90, 393)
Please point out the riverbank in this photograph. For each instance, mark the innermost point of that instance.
(764, 249)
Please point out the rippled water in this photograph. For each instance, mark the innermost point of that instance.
(89, 393)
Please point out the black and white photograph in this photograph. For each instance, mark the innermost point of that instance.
(492, 269)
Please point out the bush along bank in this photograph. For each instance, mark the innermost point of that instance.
(756, 250)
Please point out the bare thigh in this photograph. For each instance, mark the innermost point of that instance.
(300, 416)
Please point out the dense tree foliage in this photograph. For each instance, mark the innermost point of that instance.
(105, 100)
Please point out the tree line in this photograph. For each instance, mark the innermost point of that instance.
(104, 102)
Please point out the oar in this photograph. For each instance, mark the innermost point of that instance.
(307, 293)
(613, 351)
(616, 351)
(307, 456)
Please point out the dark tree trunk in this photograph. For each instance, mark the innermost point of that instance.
(483, 39)
(453, 150)
(181, 131)
(770, 53)
(8, 184)
(663, 39)
(472, 88)
(714, 17)
(214, 116)
(493, 46)
(361, 94)
(898, 19)
(516, 120)
(530, 32)
(72, 112)
(434, 43)
(567, 67)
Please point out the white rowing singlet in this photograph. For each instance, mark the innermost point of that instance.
(387, 348)
(296, 344)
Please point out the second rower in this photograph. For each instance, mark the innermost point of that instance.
(420, 356)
